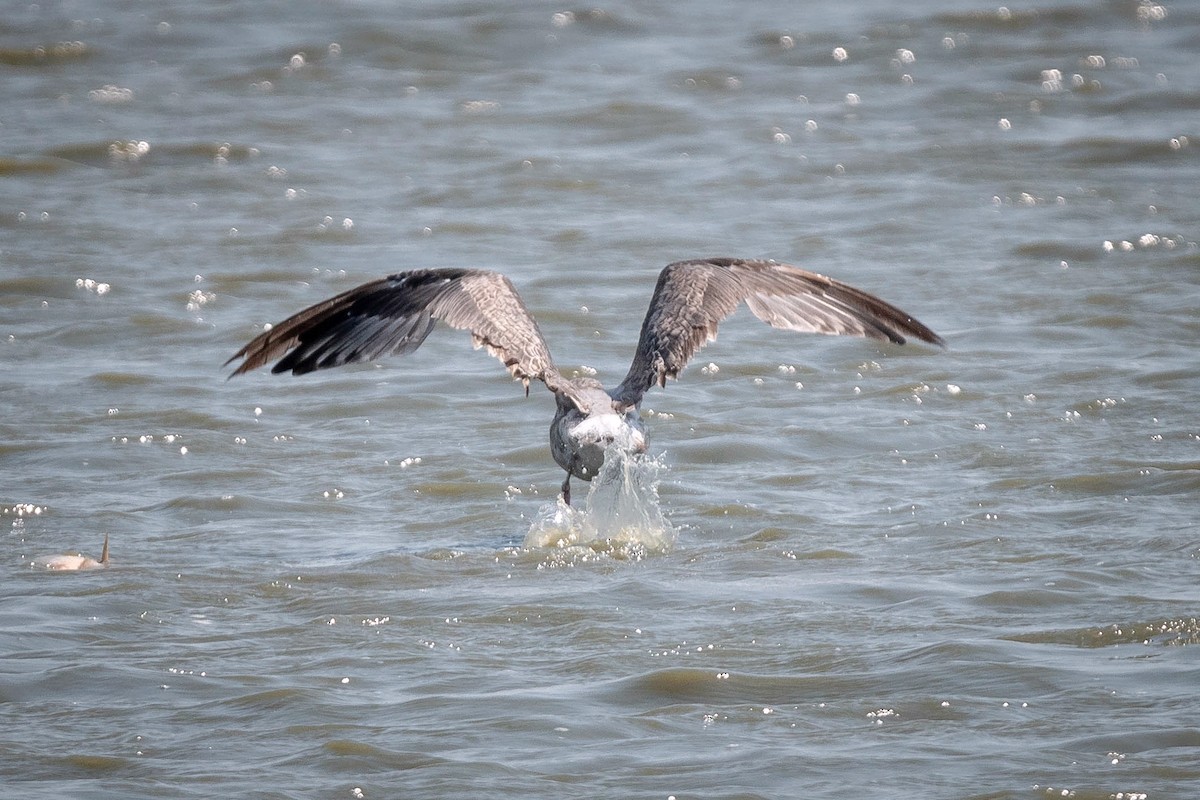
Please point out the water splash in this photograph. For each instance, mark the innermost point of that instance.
(621, 516)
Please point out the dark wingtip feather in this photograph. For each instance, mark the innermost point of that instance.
(918, 330)
(394, 315)
(692, 297)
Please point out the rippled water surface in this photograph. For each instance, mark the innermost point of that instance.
(866, 570)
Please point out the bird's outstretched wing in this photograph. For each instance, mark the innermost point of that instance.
(393, 315)
(693, 297)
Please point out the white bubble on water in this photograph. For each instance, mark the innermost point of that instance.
(111, 94)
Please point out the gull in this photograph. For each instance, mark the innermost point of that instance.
(394, 315)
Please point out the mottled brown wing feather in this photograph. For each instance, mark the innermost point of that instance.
(393, 315)
(693, 297)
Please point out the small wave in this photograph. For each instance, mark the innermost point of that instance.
(1174, 632)
(621, 516)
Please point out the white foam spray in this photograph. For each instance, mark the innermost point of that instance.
(621, 516)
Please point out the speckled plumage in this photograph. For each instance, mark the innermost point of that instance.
(393, 315)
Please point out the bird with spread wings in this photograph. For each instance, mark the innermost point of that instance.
(394, 315)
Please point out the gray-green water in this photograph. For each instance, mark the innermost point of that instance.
(895, 572)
